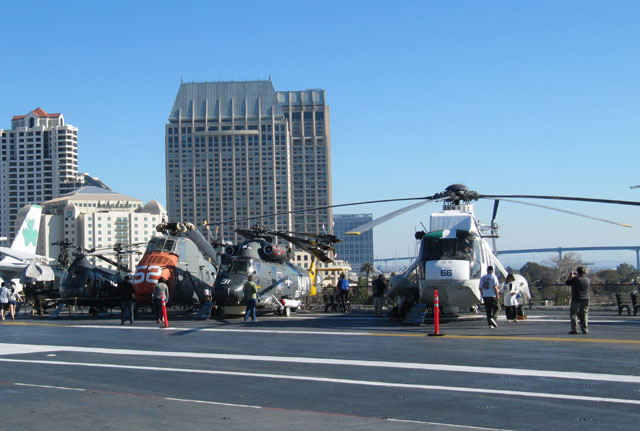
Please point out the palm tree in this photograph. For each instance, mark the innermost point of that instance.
(368, 268)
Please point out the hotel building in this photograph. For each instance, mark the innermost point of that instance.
(98, 218)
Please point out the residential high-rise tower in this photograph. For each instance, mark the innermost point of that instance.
(38, 162)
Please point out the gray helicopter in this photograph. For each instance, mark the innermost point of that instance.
(281, 284)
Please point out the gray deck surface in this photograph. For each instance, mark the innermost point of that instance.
(317, 371)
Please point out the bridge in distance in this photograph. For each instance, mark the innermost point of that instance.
(559, 250)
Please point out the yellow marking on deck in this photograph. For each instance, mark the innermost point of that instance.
(62, 325)
(578, 339)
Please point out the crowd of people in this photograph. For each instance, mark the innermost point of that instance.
(490, 288)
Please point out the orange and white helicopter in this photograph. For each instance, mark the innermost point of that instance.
(184, 258)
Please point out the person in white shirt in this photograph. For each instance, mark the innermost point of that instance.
(489, 289)
(510, 297)
(4, 300)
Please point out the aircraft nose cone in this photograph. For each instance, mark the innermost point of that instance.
(228, 291)
(235, 292)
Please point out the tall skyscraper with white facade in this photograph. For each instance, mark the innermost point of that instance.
(242, 151)
(38, 162)
(355, 249)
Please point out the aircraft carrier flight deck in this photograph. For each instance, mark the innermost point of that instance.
(320, 371)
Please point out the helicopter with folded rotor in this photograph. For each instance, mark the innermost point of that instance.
(281, 284)
(84, 283)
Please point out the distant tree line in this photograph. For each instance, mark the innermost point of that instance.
(548, 281)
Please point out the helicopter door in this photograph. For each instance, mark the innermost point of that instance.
(478, 259)
(277, 281)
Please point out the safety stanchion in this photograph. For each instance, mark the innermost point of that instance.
(436, 315)
(164, 313)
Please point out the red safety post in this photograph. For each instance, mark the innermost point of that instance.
(164, 313)
(436, 315)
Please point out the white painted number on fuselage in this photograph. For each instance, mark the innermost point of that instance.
(150, 274)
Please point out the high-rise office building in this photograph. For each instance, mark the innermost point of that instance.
(308, 120)
(38, 162)
(355, 249)
(241, 151)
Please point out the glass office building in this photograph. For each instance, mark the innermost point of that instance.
(241, 153)
(355, 249)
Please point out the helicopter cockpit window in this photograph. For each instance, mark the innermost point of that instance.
(78, 276)
(168, 246)
(155, 244)
(461, 248)
(242, 266)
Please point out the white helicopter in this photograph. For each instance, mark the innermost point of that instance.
(454, 253)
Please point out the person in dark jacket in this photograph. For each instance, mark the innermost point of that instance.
(127, 297)
(580, 295)
(379, 289)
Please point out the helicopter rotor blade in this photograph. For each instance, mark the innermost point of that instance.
(495, 211)
(494, 230)
(303, 210)
(317, 250)
(322, 238)
(565, 211)
(365, 227)
(561, 198)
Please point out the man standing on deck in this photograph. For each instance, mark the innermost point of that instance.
(489, 289)
(579, 307)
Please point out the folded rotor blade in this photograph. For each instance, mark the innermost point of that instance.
(365, 227)
(565, 211)
(308, 246)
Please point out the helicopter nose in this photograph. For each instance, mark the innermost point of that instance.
(235, 292)
(229, 292)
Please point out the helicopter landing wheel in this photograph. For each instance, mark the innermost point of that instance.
(287, 311)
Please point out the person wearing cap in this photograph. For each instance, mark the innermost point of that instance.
(489, 289)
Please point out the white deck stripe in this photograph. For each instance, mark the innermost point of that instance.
(618, 378)
(248, 406)
(483, 391)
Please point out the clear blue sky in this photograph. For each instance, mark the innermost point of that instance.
(505, 96)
